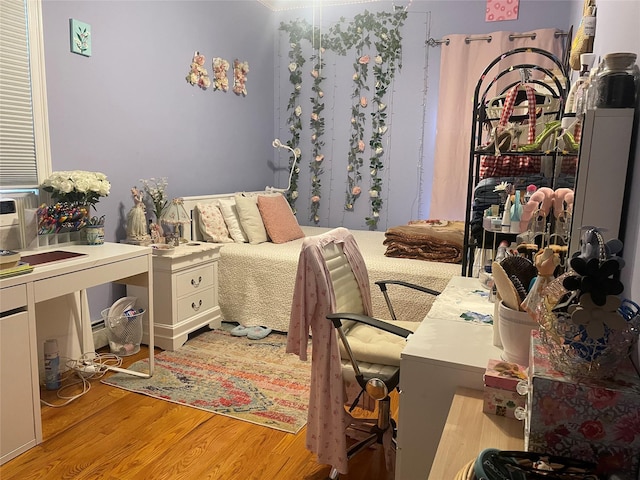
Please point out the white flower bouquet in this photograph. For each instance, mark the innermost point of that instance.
(77, 186)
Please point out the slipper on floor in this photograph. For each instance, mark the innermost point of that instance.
(257, 333)
(240, 331)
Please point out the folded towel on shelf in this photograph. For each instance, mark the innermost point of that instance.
(432, 240)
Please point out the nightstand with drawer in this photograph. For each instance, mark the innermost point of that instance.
(185, 285)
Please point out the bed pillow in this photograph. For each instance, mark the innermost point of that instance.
(279, 221)
(250, 219)
(211, 223)
(230, 213)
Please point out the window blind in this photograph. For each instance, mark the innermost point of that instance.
(18, 164)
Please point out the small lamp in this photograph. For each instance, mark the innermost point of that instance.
(278, 144)
(175, 215)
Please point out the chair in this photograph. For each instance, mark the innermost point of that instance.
(332, 299)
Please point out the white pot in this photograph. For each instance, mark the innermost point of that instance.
(515, 334)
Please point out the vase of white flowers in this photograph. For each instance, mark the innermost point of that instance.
(77, 186)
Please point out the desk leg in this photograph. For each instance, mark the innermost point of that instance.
(148, 283)
(85, 334)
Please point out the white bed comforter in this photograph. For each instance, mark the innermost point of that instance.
(256, 281)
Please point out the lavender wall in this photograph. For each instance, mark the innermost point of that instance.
(128, 111)
(413, 104)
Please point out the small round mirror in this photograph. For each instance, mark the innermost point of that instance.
(377, 389)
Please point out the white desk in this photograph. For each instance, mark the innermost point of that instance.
(444, 353)
(21, 426)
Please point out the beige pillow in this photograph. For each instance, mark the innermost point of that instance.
(211, 223)
(250, 219)
(279, 221)
(230, 213)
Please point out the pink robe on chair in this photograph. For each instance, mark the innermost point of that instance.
(327, 418)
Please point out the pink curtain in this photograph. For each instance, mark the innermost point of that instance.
(461, 65)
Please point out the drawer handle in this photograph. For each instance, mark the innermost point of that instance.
(196, 284)
(196, 307)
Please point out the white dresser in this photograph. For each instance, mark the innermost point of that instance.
(185, 293)
(445, 352)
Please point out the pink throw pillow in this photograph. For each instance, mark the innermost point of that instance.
(279, 221)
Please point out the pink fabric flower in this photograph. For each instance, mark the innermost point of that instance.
(319, 158)
(199, 59)
(361, 145)
(363, 101)
(363, 60)
(356, 190)
(315, 199)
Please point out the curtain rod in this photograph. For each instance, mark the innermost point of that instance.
(432, 42)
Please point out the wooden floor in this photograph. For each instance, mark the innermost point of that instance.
(113, 434)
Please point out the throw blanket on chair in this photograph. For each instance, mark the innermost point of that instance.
(436, 241)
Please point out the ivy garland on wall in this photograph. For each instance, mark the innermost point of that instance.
(296, 62)
(382, 29)
(317, 129)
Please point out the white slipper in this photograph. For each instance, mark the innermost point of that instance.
(240, 331)
(257, 333)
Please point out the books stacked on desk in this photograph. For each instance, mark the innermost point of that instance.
(10, 264)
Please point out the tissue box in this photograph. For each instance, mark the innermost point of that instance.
(593, 420)
(500, 381)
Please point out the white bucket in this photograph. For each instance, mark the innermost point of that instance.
(515, 334)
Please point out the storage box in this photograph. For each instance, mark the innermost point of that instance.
(500, 381)
(587, 419)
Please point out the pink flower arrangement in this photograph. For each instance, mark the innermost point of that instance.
(198, 75)
(240, 70)
(220, 80)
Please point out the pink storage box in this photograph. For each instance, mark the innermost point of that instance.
(500, 381)
(588, 419)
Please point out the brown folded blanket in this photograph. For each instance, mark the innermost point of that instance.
(439, 241)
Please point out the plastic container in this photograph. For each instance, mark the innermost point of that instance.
(515, 334)
(124, 332)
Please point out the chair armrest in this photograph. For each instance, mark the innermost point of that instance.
(383, 286)
(374, 322)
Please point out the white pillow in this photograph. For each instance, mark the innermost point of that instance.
(230, 213)
(250, 219)
(212, 224)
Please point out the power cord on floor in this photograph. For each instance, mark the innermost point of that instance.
(90, 366)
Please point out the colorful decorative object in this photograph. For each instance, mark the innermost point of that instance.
(589, 330)
(77, 187)
(198, 75)
(80, 34)
(592, 419)
(500, 10)
(61, 217)
(240, 70)
(220, 68)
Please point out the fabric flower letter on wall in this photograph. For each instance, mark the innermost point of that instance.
(220, 80)
(240, 70)
(198, 75)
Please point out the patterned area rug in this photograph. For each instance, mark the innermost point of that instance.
(251, 380)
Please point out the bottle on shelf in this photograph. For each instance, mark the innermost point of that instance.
(617, 82)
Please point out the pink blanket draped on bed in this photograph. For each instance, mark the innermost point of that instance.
(437, 241)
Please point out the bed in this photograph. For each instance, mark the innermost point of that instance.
(256, 281)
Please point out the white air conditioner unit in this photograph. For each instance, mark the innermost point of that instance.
(12, 219)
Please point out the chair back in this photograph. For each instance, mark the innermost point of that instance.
(346, 291)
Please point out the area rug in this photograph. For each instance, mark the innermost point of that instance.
(251, 380)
